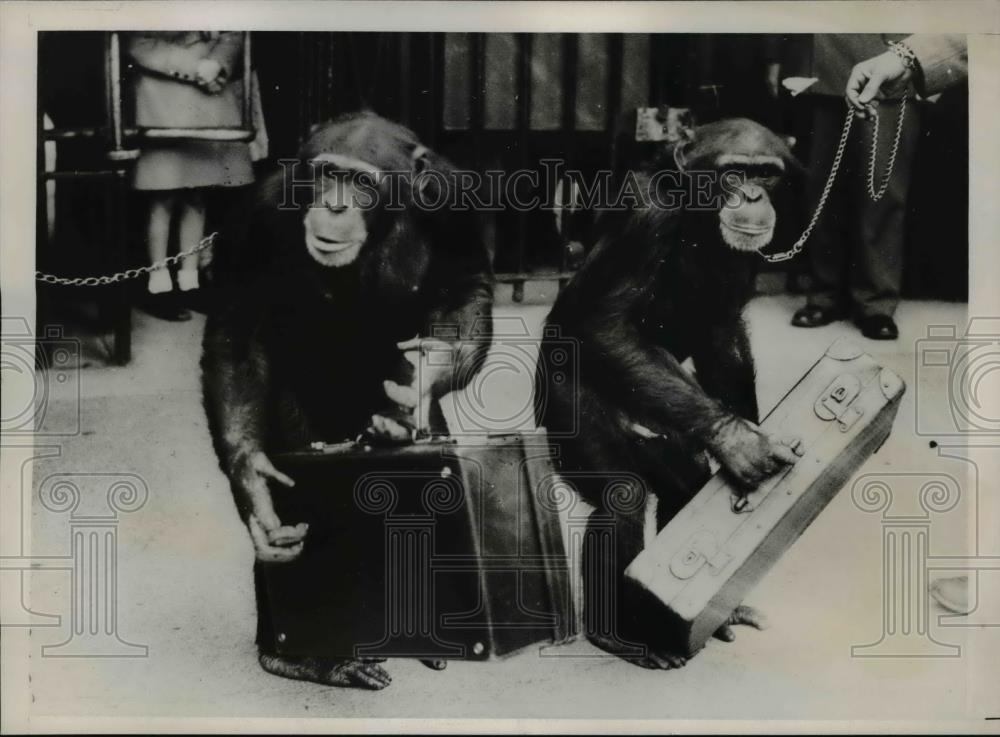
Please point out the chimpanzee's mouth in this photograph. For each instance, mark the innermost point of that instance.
(745, 238)
(330, 245)
(749, 229)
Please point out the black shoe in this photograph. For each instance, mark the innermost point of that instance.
(196, 300)
(164, 306)
(878, 327)
(814, 316)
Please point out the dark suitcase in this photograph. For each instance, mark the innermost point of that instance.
(430, 550)
(702, 564)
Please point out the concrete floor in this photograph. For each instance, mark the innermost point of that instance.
(184, 586)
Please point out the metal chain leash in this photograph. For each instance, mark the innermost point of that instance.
(875, 194)
(100, 281)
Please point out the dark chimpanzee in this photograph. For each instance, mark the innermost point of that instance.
(667, 281)
(314, 349)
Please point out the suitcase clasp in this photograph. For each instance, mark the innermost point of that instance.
(834, 403)
(702, 548)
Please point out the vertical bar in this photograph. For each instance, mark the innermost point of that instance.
(569, 58)
(616, 50)
(405, 79)
(524, 48)
(303, 87)
(436, 59)
(122, 351)
(247, 84)
(569, 78)
(113, 90)
(123, 309)
(655, 69)
(477, 60)
(325, 80)
(42, 244)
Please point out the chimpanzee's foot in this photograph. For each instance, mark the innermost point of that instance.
(641, 655)
(741, 615)
(328, 671)
(435, 664)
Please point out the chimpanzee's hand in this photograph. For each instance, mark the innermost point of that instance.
(748, 453)
(272, 541)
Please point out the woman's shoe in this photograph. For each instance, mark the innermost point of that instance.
(165, 307)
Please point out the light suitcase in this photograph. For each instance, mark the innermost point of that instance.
(703, 563)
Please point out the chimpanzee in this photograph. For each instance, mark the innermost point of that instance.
(667, 281)
(365, 261)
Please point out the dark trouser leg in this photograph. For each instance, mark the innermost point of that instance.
(877, 265)
(829, 246)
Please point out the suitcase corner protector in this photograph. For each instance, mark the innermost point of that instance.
(891, 383)
(844, 349)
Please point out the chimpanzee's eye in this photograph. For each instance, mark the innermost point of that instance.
(734, 175)
(766, 175)
(332, 172)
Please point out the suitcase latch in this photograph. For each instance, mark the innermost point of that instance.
(835, 402)
(701, 549)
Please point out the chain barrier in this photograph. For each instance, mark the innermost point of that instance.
(100, 281)
(875, 194)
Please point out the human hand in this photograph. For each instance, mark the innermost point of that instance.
(772, 79)
(433, 362)
(870, 76)
(210, 76)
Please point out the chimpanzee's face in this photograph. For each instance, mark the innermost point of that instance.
(750, 162)
(747, 217)
(335, 224)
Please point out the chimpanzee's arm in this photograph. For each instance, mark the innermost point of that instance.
(647, 379)
(235, 374)
(725, 367)
(465, 321)
(461, 294)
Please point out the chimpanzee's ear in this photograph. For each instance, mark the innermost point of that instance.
(430, 177)
(793, 167)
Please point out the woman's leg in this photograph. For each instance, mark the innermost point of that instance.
(161, 209)
(191, 229)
